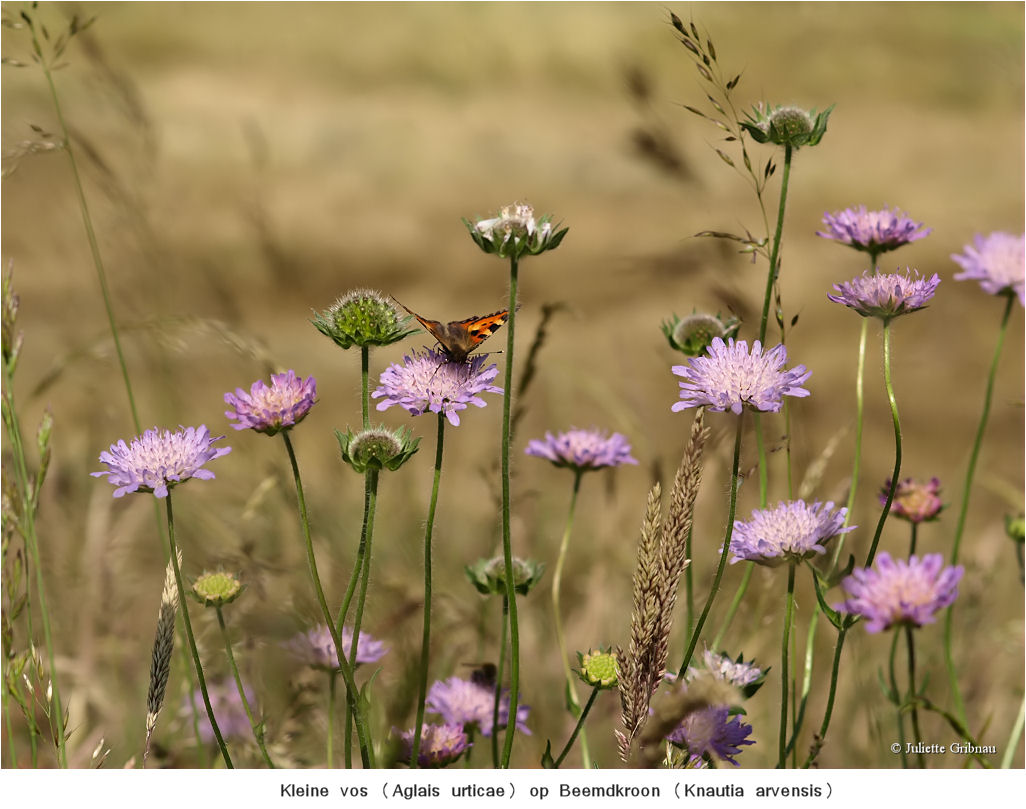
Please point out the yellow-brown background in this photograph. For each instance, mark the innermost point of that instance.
(248, 163)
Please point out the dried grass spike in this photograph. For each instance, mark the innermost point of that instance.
(163, 646)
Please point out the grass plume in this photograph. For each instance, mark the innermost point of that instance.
(163, 646)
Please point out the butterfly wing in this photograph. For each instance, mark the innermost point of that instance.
(479, 329)
(460, 337)
(434, 327)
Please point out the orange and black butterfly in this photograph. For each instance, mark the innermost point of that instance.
(459, 337)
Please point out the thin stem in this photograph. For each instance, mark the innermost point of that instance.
(742, 588)
(507, 541)
(896, 698)
(579, 727)
(799, 721)
(330, 752)
(500, 676)
(913, 696)
(832, 694)
(785, 648)
(189, 635)
(913, 534)
(856, 464)
(724, 550)
(949, 659)
(352, 693)
(885, 513)
(425, 640)
(365, 387)
(557, 579)
(369, 499)
(258, 730)
(1015, 737)
(774, 259)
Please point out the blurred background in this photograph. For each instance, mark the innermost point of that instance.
(245, 164)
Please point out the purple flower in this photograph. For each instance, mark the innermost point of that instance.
(316, 648)
(440, 745)
(714, 731)
(465, 702)
(997, 262)
(160, 459)
(271, 409)
(915, 502)
(873, 232)
(582, 450)
(730, 378)
(886, 295)
(228, 709)
(899, 592)
(723, 668)
(429, 382)
(792, 531)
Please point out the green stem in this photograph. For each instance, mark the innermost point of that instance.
(369, 501)
(27, 524)
(258, 731)
(913, 696)
(507, 541)
(742, 588)
(774, 259)
(557, 579)
(724, 551)
(189, 635)
(365, 387)
(578, 728)
(425, 640)
(856, 466)
(500, 676)
(885, 513)
(810, 645)
(895, 696)
(785, 647)
(1015, 737)
(949, 659)
(352, 693)
(330, 752)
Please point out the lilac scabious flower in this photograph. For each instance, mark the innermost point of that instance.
(712, 731)
(158, 460)
(582, 450)
(792, 531)
(429, 381)
(997, 262)
(913, 501)
(229, 711)
(730, 377)
(900, 592)
(873, 232)
(723, 668)
(271, 409)
(465, 703)
(886, 295)
(316, 647)
(440, 745)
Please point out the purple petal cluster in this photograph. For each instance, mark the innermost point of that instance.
(900, 592)
(429, 382)
(714, 731)
(723, 668)
(792, 531)
(157, 460)
(228, 709)
(914, 501)
(316, 647)
(730, 378)
(440, 745)
(886, 295)
(997, 262)
(272, 408)
(582, 449)
(873, 232)
(465, 703)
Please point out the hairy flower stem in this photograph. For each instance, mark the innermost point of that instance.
(507, 542)
(885, 513)
(500, 676)
(352, 694)
(578, 728)
(365, 386)
(724, 551)
(892, 676)
(557, 578)
(949, 659)
(258, 730)
(913, 696)
(425, 641)
(27, 526)
(189, 635)
(785, 647)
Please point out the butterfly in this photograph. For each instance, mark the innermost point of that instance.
(459, 337)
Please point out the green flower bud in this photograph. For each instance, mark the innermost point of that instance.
(598, 668)
(362, 318)
(787, 125)
(216, 589)
(377, 448)
(693, 334)
(1015, 527)
(489, 575)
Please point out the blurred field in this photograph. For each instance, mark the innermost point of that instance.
(248, 163)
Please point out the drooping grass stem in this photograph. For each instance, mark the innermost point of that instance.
(425, 642)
